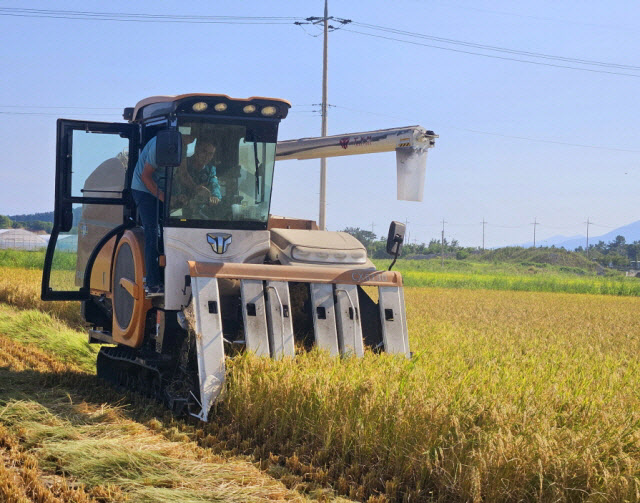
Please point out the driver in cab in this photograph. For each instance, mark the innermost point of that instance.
(196, 182)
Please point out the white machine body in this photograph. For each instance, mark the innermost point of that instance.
(182, 244)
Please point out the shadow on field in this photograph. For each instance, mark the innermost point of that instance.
(78, 399)
(73, 396)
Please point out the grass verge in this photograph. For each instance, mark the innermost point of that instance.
(527, 277)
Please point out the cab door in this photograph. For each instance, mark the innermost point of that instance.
(93, 163)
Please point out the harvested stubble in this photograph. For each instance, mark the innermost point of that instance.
(103, 454)
(511, 397)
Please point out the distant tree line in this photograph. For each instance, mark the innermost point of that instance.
(33, 217)
(617, 253)
(32, 225)
(376, 247)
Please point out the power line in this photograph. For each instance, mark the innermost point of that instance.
(493, 56)
(477, 131)
(53, 107)
(497, 48)
(143, 18)
(55, 114)
(203, 19)
(545, 141)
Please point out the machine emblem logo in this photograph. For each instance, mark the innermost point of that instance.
(219, 242)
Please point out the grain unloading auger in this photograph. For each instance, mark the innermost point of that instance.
(235, 277)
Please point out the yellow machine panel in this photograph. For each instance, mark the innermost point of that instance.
(129, 303)
(101, 272)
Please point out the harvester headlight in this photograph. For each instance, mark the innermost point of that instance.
(268, 111)
(220, 107)
(201, 106)
(249, 109)
(308, 254)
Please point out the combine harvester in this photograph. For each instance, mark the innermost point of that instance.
(235, 276)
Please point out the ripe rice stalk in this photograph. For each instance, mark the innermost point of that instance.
(506, 386)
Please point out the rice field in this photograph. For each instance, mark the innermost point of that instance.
(510, 396)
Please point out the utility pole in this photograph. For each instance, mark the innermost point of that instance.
(373, 226)
(322, 217)
(588, 224)
(406, 226)
(323, 161)
(483, 224)
(535, 224)
(442, 245)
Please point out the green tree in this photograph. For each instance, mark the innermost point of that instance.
(5, 222)
(365, 237)
(39, 225)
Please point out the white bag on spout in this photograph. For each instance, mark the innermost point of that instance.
(411, 167)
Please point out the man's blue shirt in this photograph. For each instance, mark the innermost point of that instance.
(206, 177)
(148, 156)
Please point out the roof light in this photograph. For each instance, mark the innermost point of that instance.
(268, 111)
(220, 107)
(201, 106)
(249, 109)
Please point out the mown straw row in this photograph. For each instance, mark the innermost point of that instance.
(23, 481)
(100, 450)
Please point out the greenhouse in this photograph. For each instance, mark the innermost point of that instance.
(21, 239)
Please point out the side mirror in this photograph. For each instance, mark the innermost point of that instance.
(168, 148)
(395, 238)
(66, 217)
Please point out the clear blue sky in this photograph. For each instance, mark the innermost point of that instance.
(518, 141)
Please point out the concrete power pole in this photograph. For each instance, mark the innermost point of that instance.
(442, 244)
(535, 223)
(483, 224)
(406, 226)
(323, 161)
(588, 224)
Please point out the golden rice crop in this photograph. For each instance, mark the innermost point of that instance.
(21, 288)
(511, 396)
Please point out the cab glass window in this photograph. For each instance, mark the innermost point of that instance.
(226, 174)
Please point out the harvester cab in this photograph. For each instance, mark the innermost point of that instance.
(235, 277)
